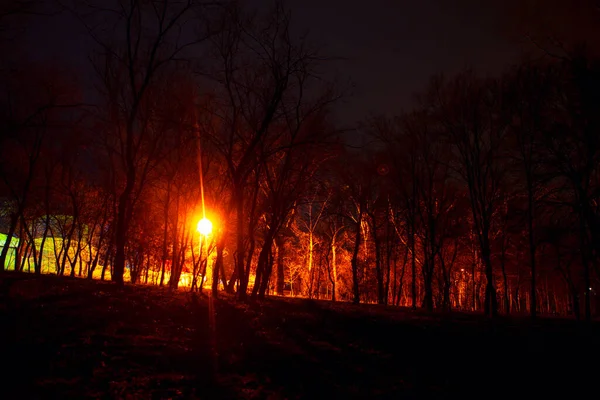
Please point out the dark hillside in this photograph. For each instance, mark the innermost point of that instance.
(71, 338)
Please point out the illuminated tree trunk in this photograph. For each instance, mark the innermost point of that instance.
(22, 256)
(24, 230)
(77, 256)
(263, 261)
(195, 273)
(9, 236)
(388, 263)
(310, 263)
(122, 228)
(250, 256)
(482, 212)
(427, 283)
(280, 270)
(101, 239)
(585, 262)
(222, 275)
(264, 285)
(203, 267)
(446, 304)
(134, 269)
(354, 262)
(319, 270)
(175, 271)
(147, 270)
(491, 305)
(505, 280)
(106, 260)
(165, 233)
(68, 245)
(379, 272)
(334, 267)
(530, 227)
(473, 265)
(22, 250)
(241, 274)
(401, 284)
(447, 275)
(218, 266)
(378, 261)
(504, 243)
(428, 266)
(38, 264)
(230, 287)
(242, 254)
(197, 266)
(413, 264)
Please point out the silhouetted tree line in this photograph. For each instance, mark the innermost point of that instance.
(485, 196)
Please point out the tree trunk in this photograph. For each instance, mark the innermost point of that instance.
(38, 265)
(106, 260)
(9, 236)
(121, 230)
(585, 262)
(165, 254)
(266, 275)
(334, 267)
(414, 265)
(505, 280)
(532, 245)
(176, 265)
(241, 274)
(491, 305)
(280, 271)
(230, 287)
(355, 290)
(401, 285)
(68, 246)
(310, 262)
(203, 266)
(216, 267)
(265, 264)
(378, 267)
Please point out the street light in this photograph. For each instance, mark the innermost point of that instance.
(204, 226)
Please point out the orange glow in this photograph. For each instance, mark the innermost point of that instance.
(205, 226)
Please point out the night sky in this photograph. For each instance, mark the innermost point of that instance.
(388, 49)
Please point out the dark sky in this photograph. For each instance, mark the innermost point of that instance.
(390, 48)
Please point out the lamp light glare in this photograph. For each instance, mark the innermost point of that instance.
(204, 226)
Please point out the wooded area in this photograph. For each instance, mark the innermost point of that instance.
(484, 197)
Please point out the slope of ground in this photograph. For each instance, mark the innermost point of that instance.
(71, 338)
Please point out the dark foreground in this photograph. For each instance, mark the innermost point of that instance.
(68, 338)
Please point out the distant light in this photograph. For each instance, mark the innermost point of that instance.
(383, 169)
(205, 227)
(590, 288)
(462, 270)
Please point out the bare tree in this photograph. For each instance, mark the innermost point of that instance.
(262, 75)
(470, 111)
(33, 111)
(140, 41)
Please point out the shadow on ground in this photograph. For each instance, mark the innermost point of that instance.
(71, 338)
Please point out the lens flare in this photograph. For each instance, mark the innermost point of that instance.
(205, 227)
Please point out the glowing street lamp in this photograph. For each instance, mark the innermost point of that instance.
(205, 226)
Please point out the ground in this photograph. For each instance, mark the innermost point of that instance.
(71, 338)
